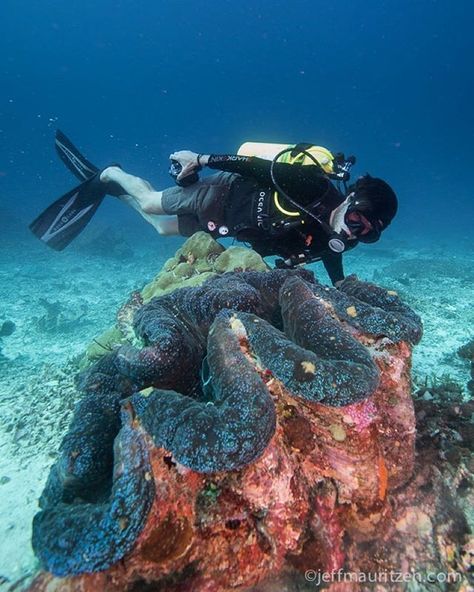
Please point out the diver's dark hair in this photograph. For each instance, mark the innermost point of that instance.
(374, 197)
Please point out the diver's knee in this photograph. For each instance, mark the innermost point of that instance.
(149, 207)
(150, 202)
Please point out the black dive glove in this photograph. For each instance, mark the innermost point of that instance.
(291, 262)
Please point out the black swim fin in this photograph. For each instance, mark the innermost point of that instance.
(78, 164)
(67, 217)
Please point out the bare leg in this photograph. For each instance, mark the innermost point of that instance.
(148, 200)
(162, 224)
(166, 224)
(141, 196)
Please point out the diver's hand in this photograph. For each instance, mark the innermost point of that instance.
(188, 161)
(349, 278)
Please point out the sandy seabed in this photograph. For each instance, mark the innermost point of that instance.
(81, 289)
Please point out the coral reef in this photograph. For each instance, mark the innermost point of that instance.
(199, 259)
(431, 528)
(467, 352)
(71, 537)
(257, 425)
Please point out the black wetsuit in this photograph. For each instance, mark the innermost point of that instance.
(252, 216)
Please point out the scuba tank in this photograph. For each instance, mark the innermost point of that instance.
(268, 151)
(336, 166)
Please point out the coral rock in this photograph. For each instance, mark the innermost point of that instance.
(199, 259)
(266, 427)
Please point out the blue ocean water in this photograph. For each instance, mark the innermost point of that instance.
(390, 81)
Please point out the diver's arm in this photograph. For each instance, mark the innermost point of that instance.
(291, 176)
(331, 261)
(307, 182)
(334, 267)
(247, 166)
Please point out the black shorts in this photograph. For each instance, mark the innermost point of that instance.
(200, 206)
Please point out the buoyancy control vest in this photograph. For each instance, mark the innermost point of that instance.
(274, 211)
(268, 151)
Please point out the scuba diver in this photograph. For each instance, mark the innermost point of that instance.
(289, 201)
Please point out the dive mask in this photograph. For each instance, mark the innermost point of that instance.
(365, 228)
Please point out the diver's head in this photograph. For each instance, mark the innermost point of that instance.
(372, 205)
